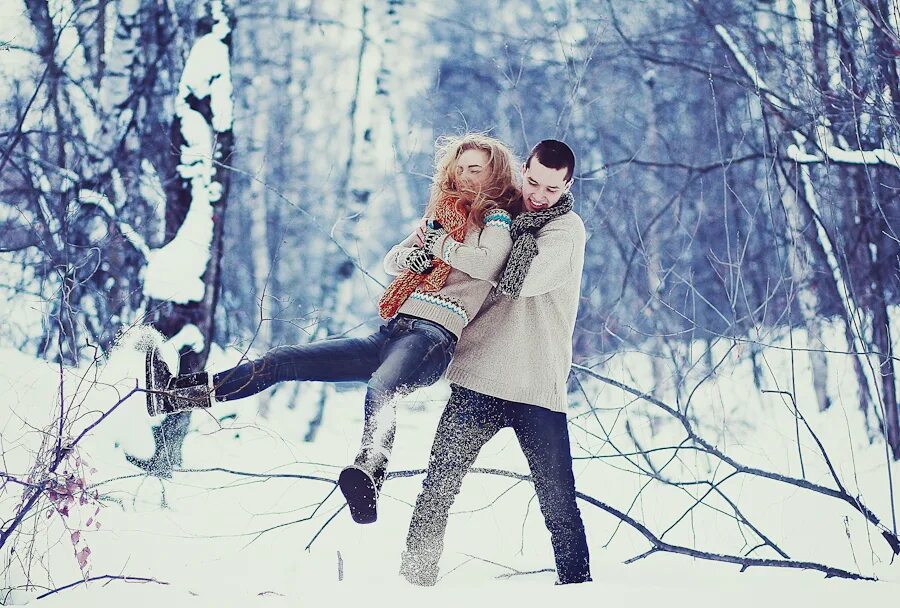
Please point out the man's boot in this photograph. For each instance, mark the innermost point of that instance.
(361, 483)
(167, 394)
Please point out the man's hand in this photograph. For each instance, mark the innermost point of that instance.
(417, 260)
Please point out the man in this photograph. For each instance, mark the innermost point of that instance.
(510, 369)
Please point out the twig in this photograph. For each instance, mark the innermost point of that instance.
(111, 577)
(325, 525)
(745, 562)
(840, 494)
(512, 571)
(57, 460)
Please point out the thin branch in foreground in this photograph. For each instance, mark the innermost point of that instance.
(325, 525)
(110, 577)
(840, 494)
(512, 571)
(657, 545)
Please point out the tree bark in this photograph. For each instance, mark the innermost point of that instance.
(171, 317)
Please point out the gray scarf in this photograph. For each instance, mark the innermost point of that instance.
(523, 231)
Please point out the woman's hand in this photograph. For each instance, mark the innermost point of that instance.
(415, 259)
(433, 233)
(420, 232)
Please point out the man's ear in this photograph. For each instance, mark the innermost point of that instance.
(568, 185)
(524, 168)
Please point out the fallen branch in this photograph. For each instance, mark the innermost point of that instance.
(110, 577)
(59, 457)
(840, 494)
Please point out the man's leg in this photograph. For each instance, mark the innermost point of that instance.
(468, 422)
(544, 437)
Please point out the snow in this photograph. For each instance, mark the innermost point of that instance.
(796, 154)
(91, 197)
(15, 30)
(188, 336)
(864, 157)
(207, 72)
(745, 64)
(852, 157)
(174, 272)
(205, 531)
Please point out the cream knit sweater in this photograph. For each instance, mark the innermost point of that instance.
(479, 258)
(521, 350)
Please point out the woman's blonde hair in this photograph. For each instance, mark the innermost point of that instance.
(501, 185)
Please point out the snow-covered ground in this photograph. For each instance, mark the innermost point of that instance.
(221, 538)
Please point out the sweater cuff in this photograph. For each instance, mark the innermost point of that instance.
(498, 218)
(434, 248)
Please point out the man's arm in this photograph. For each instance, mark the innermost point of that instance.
(485, 261)
(559, 248)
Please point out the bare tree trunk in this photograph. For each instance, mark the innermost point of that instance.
(650, 244)
(881, 339)
(354, 190)
(259, 232)
(806, 195)
(802, 258)
(188, 190)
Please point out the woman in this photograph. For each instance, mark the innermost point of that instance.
(428, 304)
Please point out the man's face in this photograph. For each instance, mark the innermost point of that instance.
(542, 187)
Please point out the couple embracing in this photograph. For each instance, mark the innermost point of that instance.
(485, 291)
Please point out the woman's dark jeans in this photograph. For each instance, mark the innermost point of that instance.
(468, 422)
(405, 354)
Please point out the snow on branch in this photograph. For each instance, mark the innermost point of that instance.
(830, 152)
(878, 156)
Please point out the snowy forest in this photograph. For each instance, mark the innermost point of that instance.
(231, 173)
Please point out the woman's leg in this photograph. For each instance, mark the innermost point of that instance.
(416, 354)
(338, 360)
(413, 357)
(468, 422)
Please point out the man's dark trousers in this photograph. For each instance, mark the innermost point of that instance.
(468, 422)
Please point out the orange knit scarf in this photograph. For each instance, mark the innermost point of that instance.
(453, 216)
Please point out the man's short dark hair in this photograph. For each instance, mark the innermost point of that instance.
(554, 154)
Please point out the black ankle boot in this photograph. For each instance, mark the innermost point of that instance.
(361, 484)
(167, 394)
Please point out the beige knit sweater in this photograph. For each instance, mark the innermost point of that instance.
(474, 261)
(521, 350)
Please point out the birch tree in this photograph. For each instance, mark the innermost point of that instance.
(183, 277)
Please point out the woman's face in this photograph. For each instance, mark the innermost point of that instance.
(471, 170)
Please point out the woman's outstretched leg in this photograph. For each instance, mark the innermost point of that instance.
(338, 360)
